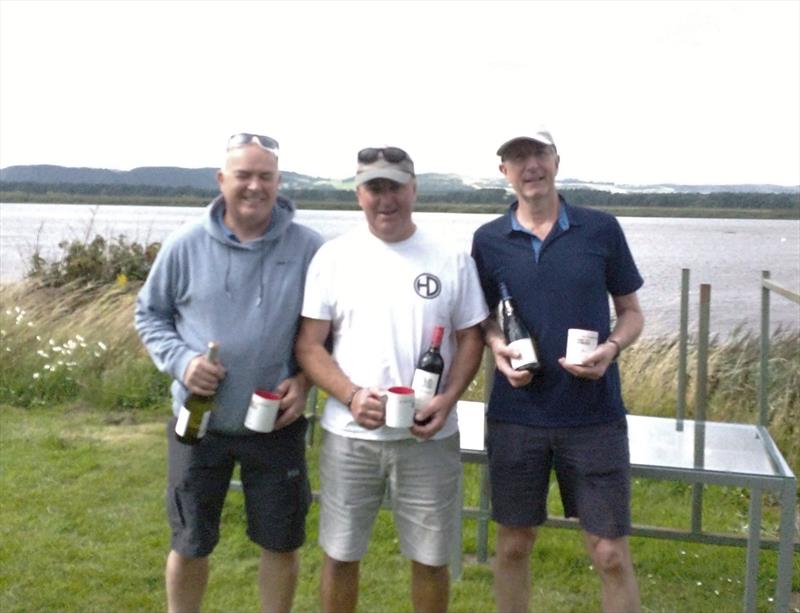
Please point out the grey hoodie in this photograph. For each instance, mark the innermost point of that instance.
(206, 286)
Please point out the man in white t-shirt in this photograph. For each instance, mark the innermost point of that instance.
(378, 292)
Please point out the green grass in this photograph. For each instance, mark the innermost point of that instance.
(82, 474)
(83, 529)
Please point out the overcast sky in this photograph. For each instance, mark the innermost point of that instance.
(644, 92)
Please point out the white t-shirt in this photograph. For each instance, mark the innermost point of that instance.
(383, 301)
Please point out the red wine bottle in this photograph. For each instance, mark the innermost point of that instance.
(517, 335)
(196, 410)
(428, 374)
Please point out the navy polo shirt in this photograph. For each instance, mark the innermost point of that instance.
(583, 260)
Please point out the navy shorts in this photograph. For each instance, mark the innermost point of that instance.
(274, 479)
(592, 466)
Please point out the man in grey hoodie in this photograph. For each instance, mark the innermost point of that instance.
(236, 277)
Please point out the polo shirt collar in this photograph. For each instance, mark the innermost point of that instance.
(565, 216)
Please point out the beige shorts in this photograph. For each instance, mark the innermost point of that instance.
(423, 479)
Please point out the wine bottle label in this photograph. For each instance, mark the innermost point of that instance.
(424, 385)
(185, 422)
(527, 354)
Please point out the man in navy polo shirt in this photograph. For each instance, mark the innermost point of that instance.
(560, 263)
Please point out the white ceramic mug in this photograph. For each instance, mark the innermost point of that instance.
(400, 407)
(580, 344)
(263, 410)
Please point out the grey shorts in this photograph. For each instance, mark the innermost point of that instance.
(274, 479)
(423, 478)
(592, 466)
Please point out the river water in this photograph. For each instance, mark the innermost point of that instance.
(729, 254)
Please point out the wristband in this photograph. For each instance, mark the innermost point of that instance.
(352, 396)
(617, 345)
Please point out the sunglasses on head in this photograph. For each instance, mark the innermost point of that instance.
(390, 154)
(244, 138)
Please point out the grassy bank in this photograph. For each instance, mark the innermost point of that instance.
(77, 342)
(82, 460)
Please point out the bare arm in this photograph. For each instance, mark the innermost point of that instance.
(630, 323)
(322, 369)
(466, 361)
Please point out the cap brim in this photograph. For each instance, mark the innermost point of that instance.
(398, 176)
(518, 139)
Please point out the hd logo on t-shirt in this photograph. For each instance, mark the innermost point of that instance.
(427, 285)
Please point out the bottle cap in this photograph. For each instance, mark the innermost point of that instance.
(438, 334)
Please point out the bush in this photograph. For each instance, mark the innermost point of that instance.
(95, 262)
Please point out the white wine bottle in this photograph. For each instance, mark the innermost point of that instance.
(196, 410)
(517, 335)
(428, 374)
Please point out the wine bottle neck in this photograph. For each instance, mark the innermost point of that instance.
(436, 339)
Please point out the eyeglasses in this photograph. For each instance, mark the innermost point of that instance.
(393, 155)
(244, 138)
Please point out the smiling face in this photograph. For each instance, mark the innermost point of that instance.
(388, 206)
(531, 168)
(249, 182)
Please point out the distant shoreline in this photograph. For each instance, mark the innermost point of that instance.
(431, 207)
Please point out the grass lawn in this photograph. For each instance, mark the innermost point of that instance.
(83, 529)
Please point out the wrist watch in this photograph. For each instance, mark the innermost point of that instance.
(352, 396)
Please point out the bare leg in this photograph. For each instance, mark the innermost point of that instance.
(512, 577)
(186, 580)
(430, 588)
(277, 580)
(339, 586)
(612, 561)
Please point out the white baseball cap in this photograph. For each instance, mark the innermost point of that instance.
(540, 136)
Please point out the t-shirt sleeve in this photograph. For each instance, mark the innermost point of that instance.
(316, 296)
(622, 275)
(470, 304)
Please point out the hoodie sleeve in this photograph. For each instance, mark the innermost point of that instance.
(155, 314)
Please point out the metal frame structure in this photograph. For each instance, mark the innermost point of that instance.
(763, 470)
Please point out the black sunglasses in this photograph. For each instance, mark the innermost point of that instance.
(244, 138)
(390, 154)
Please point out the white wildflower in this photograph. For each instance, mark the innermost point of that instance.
(30, 324)
(36, 375)
(51, 342)
(79, 338)
(57, 350)
(43, 354)
(102, 345)
(97, 354)
(38, 338)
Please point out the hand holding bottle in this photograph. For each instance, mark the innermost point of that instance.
(503, 354)
(432, 418)
(202, 376)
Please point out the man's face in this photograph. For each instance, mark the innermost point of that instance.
(388, 206)
(531, 169)
(249, 182)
